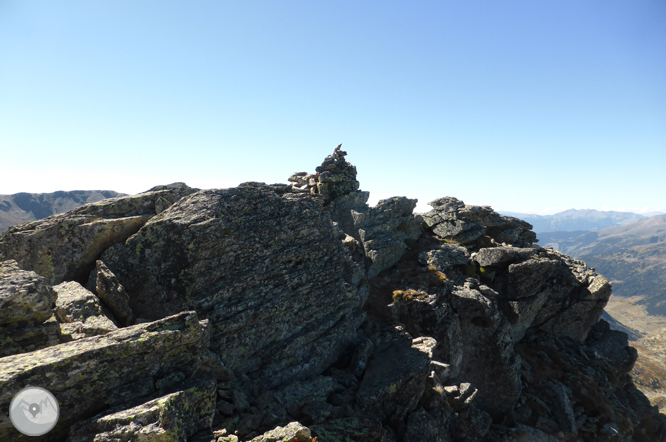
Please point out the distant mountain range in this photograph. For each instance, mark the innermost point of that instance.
(577, 220)
(21, 208)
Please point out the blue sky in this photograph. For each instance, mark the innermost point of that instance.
(526, 106)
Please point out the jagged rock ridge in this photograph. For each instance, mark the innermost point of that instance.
(277, 312)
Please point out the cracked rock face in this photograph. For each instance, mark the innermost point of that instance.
(383, 231)
(251, 259)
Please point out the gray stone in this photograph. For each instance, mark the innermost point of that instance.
(297, 394)
(112, 294)
(432, 317)
(341, 210)
(561, 406)
(76, 304)
(500, 256)
(390, 390)
(614, 346)
(444, 257)
(383, 231)
(360, 358)
(294, 432)
(452, 220)
(276, 286)
(24, 295)
(489, 361)
(422, 427)
(15, 340)
(578, 304)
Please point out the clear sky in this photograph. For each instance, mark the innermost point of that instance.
(527, 106)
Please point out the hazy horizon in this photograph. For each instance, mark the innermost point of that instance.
(526, 107)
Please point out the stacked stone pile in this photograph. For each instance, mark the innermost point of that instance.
(288, 313)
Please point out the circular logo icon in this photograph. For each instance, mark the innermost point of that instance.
(34, 411)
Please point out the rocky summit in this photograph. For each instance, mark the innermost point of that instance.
(299, 313)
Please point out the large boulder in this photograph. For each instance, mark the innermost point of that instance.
(576, 301)
(85, 375)
(294, 432)
(26, 311)
(24, 296)
(64, 247)
(429, 315)
(263, 263)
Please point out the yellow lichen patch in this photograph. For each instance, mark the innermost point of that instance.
(408, 295)
(397, 295)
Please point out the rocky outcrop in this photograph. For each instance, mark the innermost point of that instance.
(64, 247)
(452, 220)
(289, 313)
(251, 259)
(383, 231)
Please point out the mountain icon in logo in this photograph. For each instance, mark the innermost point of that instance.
(34, 411)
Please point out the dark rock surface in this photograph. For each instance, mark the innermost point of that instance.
(289, 313)
(112, 293)
(251, 259)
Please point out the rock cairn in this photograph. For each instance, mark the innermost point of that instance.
(334, 178)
